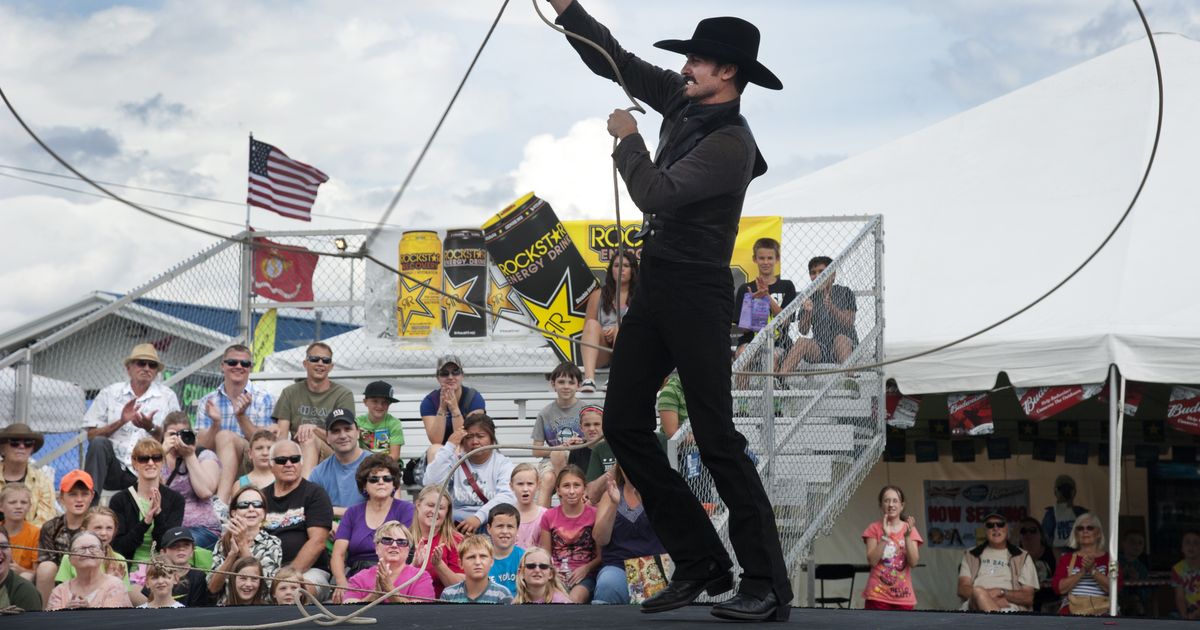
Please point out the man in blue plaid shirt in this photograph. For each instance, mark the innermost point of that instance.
(228, 417)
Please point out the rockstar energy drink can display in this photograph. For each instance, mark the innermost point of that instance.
(465, 276)
(418, 308)
(538, 260)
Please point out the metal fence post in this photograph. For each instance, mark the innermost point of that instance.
(24, 387)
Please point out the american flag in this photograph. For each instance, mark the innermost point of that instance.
(281, 184)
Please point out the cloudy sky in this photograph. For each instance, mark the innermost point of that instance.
(163, 94)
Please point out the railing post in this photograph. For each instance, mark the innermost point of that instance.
(24, 387)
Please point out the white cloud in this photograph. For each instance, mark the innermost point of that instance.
(573, 172)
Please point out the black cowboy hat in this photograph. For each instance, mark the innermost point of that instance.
(731, 40)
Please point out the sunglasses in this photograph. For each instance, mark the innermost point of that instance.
(1085, 528)
(312, 358)
(153, 365)
(994, 525)
(145, 459)
(26, 442)
(284, 459)
(448, 373)
(388, 541)
(236, 362)
(378, 478)
(243, 505)
(530, 566)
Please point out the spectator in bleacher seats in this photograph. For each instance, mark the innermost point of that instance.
(557, 423)
(1059, 520)
(248, 587)
(435, 537)
(477, 586)
(354, 544)
(538, 582)
(997, 576)
(229, 415)
(893, 544)
(623, 531)
(260, 475)
(123, 414)
(193, 472)
(392, 543)
(146, 509)
(1185, 577)
(245, 537)
(1081, 576)
(161, 582)
(1034, 541)
(18, 443)
(770, 288)
(479, 483)
(504, 521)
(829, 314)
(286, 585)
(1134, 565)
(303, 407)
(567, 533)
(14, 589)
(382, 433)
(102, 521)
(300, 514)
(337, 474)
(591, 424)
(14, 505)
(524, 484)
(75, 495)
(178, 553)
(443, 409)
(91, 587)
(601, 325)
(601, 460)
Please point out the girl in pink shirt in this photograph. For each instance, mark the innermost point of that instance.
(567, 535)
(892, 549)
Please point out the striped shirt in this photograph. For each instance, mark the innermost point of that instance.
(259, 411)
(495, 594)
(1087, 585)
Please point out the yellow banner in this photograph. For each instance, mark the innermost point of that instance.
(264, 338)
(597, 241)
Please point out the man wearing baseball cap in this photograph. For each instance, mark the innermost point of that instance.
(690, 191)
(443, 409)
(122, 414)
(382, 433)
(336, 474)
(997, 576)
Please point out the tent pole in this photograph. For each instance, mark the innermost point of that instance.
(1116, 404)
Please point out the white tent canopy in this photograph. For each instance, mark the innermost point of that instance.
(986, 210)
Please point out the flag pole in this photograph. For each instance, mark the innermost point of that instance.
(246, 281)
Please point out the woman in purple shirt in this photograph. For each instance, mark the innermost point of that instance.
(378, 479)
(624, 530)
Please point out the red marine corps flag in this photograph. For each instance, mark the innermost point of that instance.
(281, 184)
(283, 275)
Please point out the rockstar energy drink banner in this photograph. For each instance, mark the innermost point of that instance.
(464, 263)
(419, 309)
(539, 261)
(597, 241)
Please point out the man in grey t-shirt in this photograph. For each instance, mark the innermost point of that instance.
(302, 407)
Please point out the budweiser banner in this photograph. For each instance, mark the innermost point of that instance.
(901, 409)
(1183, 411)
(1133, 398)
(970, 414)
(1040, 403)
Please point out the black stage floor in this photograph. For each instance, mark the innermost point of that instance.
(547, 617)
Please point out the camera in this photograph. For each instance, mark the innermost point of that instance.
(188, 436)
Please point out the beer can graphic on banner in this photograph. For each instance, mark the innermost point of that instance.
(539, 261)
(465, 276)
(419, 309)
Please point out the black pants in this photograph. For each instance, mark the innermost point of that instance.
(104, 467)
(680, 317)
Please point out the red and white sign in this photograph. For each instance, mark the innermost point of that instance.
(1040, 403)
(970, 414)
(283, 275)
(1183, 411)
(1133, 398)
(901, 409)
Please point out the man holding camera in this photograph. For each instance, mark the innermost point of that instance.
(227, 417)
(122, 414)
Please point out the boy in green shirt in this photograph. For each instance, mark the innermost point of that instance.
(381, 432)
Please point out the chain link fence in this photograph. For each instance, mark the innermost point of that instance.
(813, 437)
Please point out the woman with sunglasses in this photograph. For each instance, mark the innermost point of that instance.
(1082, 574)
(443, 409)
(91, 587)
(392, 543)
(244, 537)
(354, 545)
(18, 443)
(538, 582)
(147, 509)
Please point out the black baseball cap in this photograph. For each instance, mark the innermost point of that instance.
(341, 414)
(380, 389)
(176, 534)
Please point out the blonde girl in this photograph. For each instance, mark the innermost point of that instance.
(537, 581)
(524, 484)
(286, 585)
(434, 530)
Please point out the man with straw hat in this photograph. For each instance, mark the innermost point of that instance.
(122, 414)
